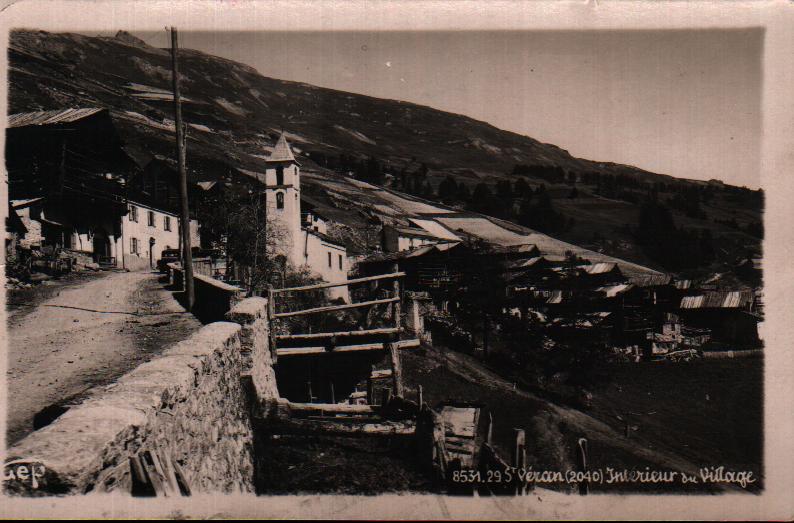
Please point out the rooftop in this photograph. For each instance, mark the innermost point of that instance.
(650, 280)
(600, 268)
(718, 300)
(282, 151)
(58, 116)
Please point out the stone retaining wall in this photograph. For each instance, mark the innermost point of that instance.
(188, 404)
(257, 354)
(214, 298)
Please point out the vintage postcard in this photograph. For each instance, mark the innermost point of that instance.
(398, 260)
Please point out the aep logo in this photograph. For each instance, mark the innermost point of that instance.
(24, 470)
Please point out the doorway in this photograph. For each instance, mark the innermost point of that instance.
(151, 253)
(101, 246)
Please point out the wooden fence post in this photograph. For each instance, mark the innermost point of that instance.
(271, 311)
(386, 397)
(519, 457)
(581, 461)
(396, 309)
(396, 368)
(371, 387)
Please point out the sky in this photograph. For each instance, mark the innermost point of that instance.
(680, 102)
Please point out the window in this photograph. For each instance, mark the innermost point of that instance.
(133, 213)
(329, 260)
(134, 245)
(340, 262)
(167, 223)
(150, 215)
(280, 175)
(280, 200)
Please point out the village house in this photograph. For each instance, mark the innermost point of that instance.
(731, 316)
(397, 238)
(676, 336)
(313, 219)
(74, 188)
(418, 233)
(152, 223)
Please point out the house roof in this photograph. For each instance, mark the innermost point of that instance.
(718, 300)
(524, 264)
(600, 268)
(21, 204)
(415, 231)
(521, 248)
(51, 117)
(436, 229)
(325, 238)
(206, 185)
(613, 290)
(400, 255)
(282, 151)
(650, 280)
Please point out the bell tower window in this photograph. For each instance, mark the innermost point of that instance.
(280, 175)
(280, 200)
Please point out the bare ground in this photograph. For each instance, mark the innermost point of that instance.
(81, 334)
(552, 429)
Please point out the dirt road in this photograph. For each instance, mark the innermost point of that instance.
(85, 335)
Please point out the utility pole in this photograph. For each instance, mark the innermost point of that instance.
(187, 254)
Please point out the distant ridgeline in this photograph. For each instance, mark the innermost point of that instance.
(234, 114)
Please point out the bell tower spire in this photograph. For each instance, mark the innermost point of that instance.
(283, 198)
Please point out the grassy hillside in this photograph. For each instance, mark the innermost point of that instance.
(235, 112)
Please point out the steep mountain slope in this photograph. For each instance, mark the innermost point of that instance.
(124, 73)
(236, 113)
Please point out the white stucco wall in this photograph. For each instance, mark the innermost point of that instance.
(316, 258)
(143, 232)
(315, 222)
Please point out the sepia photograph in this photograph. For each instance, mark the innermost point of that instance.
(492, 264)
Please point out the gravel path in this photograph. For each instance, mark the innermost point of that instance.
(84, 336)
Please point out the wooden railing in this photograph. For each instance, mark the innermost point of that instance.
(391, 334)
(394, 275)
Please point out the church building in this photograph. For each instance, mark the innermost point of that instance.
(303, 246)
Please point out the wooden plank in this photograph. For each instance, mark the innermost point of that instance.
(460, 421)
(309, 351)
(459, 448)
(331, 308)
(307, 426)
(141, 485)
(339, 334)
(331, 408)
(342, 283)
